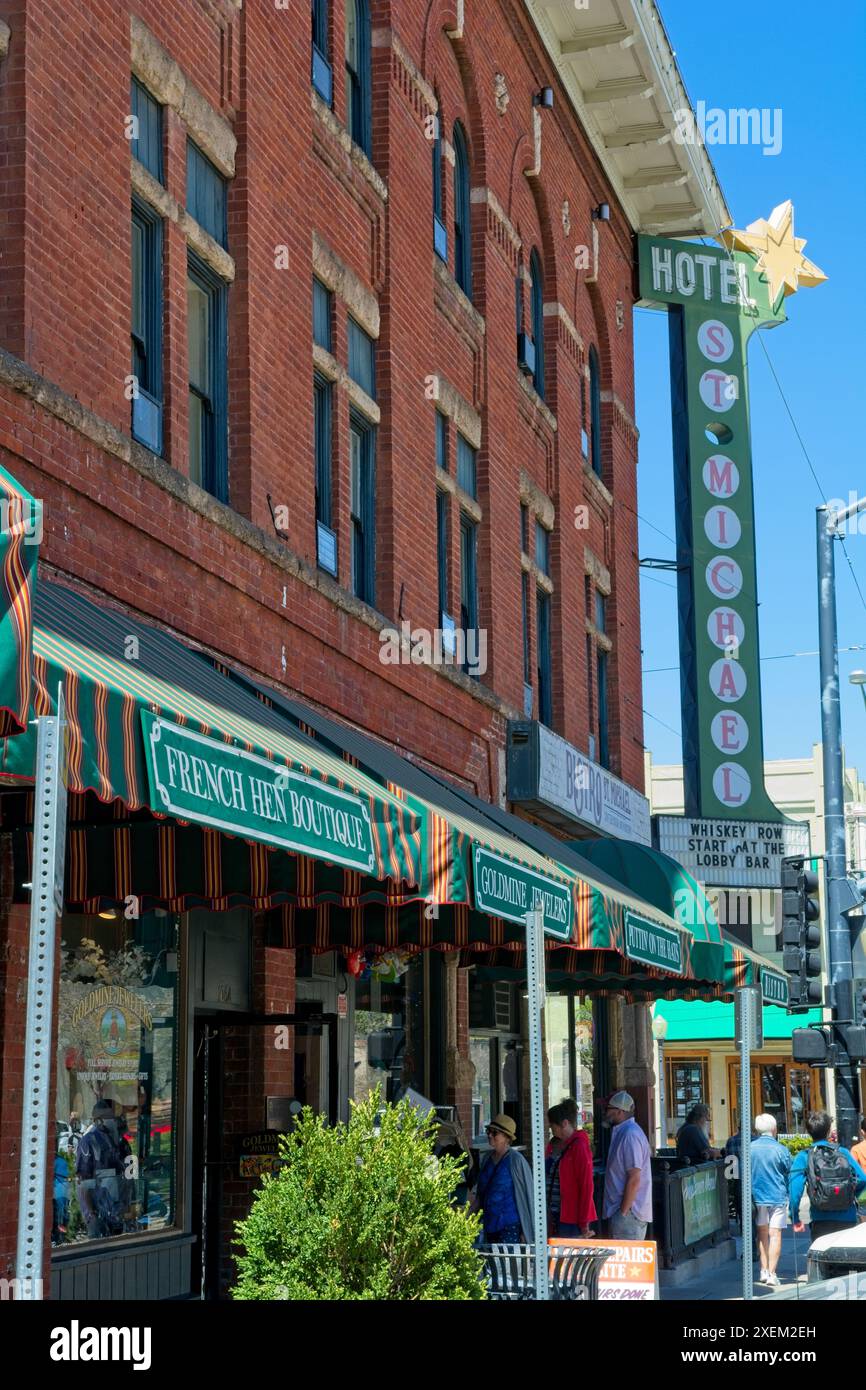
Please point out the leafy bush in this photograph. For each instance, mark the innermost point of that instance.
(360, 1211)
(795, 1143)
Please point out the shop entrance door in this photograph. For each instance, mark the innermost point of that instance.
(230, 1053)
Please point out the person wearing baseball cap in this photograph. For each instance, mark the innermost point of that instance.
(504, 1191)
(628, 1204)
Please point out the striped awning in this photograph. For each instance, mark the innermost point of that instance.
(114, 672)
(20, 533)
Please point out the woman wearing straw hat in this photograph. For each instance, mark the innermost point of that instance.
(504, 1191)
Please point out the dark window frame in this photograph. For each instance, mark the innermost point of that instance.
(443, 534)
(360, 346)
(363, 517)
(139, 95)
(468, 581)
(441, 441)
(537, 308)
(203, 182)
(467, 459)
(527, 648)
(603, 749)
(323, 304)
(543, 659)
(440, 231)
(321, 73)
(214, 477)
(359, 82)
(147, 345)
(462, 213)
(595, 440)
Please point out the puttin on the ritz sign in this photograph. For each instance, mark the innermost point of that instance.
(716, 297)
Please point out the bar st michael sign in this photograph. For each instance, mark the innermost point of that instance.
(212, 783)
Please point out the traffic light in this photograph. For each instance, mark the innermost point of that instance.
(801, 934)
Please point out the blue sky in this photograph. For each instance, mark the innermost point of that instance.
(809, 64)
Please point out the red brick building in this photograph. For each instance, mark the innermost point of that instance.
(381, 372)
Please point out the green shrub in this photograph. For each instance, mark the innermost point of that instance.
(360, 1211)
(796, 1143)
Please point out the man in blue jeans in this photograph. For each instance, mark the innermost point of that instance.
(824, 1223)
(628, 1187)
(771, 1166)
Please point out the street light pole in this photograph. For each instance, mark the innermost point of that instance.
(839, 963)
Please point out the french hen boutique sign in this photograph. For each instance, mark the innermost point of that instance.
(716, 298)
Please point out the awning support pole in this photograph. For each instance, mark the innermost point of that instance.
(46, 905)
(535, 985)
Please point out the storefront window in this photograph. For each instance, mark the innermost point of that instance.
(687, 1086)
(569, 1040)
(389, 1029)
(117, 1104)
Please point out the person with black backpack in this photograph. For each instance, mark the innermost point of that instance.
(832, 1178)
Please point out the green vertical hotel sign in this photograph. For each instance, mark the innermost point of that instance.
(716, 299)
(212, 783)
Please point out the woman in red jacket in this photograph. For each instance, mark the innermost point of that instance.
(570, 1205)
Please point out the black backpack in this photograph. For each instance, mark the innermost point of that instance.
(830, 1179)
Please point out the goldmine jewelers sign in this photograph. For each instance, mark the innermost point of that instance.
(716, 299)
(212, 783)
(732, 853)
(650, 943)
(508, 890)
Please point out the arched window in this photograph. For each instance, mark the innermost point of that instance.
(358, 73)
(440, 233)
(594, 412)
(462, 240)
(537, 321)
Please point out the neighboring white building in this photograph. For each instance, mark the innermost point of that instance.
(699, 1058)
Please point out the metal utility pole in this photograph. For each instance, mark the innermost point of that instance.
(749, 1029)
(839, 897)
(535, 988)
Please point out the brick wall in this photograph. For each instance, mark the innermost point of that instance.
(135, 531)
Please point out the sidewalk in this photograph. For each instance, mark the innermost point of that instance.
(726, 1281)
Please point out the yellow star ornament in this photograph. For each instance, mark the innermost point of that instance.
(779, 253)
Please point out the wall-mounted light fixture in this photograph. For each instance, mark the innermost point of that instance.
(601, 213)
(544, 97)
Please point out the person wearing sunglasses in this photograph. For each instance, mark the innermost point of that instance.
(504, 1190)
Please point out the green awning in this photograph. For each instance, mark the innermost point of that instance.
(714, 1021)
(152, 725)
(20, 533)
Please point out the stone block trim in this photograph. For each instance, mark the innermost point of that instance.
(360, 301)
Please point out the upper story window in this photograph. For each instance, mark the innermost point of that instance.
(147, 326)
(542, 547)
(146, 139)
(358, 73)
(322, 306)
(466, 466)
(524, 528)
(594, 412)
(362, 462)
(208, 379)
(537, 321)
(440, 232)
(542, 649)
(462, 238)
(441, 441)
(321, 58)
(362, 358)
(206, 199)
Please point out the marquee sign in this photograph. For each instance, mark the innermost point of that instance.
(717, 297)
(732, 853)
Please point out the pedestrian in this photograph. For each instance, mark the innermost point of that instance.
(504, 1190)
(568, 1168)
(832, 1178)
(693, 1138)
(628, 1203)
(858, 1153)
(101, 1172)
(771, 1170)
